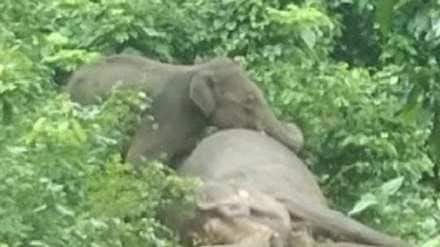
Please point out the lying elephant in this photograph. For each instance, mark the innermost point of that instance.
(259, 193)
(185, 100)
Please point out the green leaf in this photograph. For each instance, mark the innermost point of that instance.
(40, 208)
(79, 131)
(40, 124)
(434, 139)
(17, 150)
(365, 202)
(64, 210)
(57, 39)
(384, 14)
(392, 186)
(309, 37)
(38, 243)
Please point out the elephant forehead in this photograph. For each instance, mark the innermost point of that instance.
(214, 190)
(233, 78)
(221, 62)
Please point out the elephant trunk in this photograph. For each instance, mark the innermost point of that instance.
(287, 133)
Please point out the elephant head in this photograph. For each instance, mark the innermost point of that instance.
(222, 90)
(230, 216)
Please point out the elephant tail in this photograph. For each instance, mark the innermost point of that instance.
(337, 223)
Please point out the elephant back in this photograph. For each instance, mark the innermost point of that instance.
(97, 79)
(252, 159)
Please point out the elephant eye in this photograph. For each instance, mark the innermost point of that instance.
(249, 107)
(252, 101)
(250, 98)
(211, 81)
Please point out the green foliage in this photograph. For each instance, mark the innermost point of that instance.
(368, 143)
(380, 120)
(309, 23)
(128, 206)
(359, 77)
(54, 170)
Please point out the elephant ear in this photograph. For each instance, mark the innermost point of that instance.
(201, 92)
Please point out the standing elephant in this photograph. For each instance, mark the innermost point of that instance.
(186, 98)
(255, 186)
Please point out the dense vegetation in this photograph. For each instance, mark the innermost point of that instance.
(361, 78)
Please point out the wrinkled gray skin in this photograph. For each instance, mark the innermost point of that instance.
(185, 100)
(251, 177)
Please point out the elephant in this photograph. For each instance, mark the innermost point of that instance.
(186, 99)
(250, 177)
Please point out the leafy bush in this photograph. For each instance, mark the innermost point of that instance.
(55, 192)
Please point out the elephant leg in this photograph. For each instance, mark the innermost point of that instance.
(174, 138)
(146, 143)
